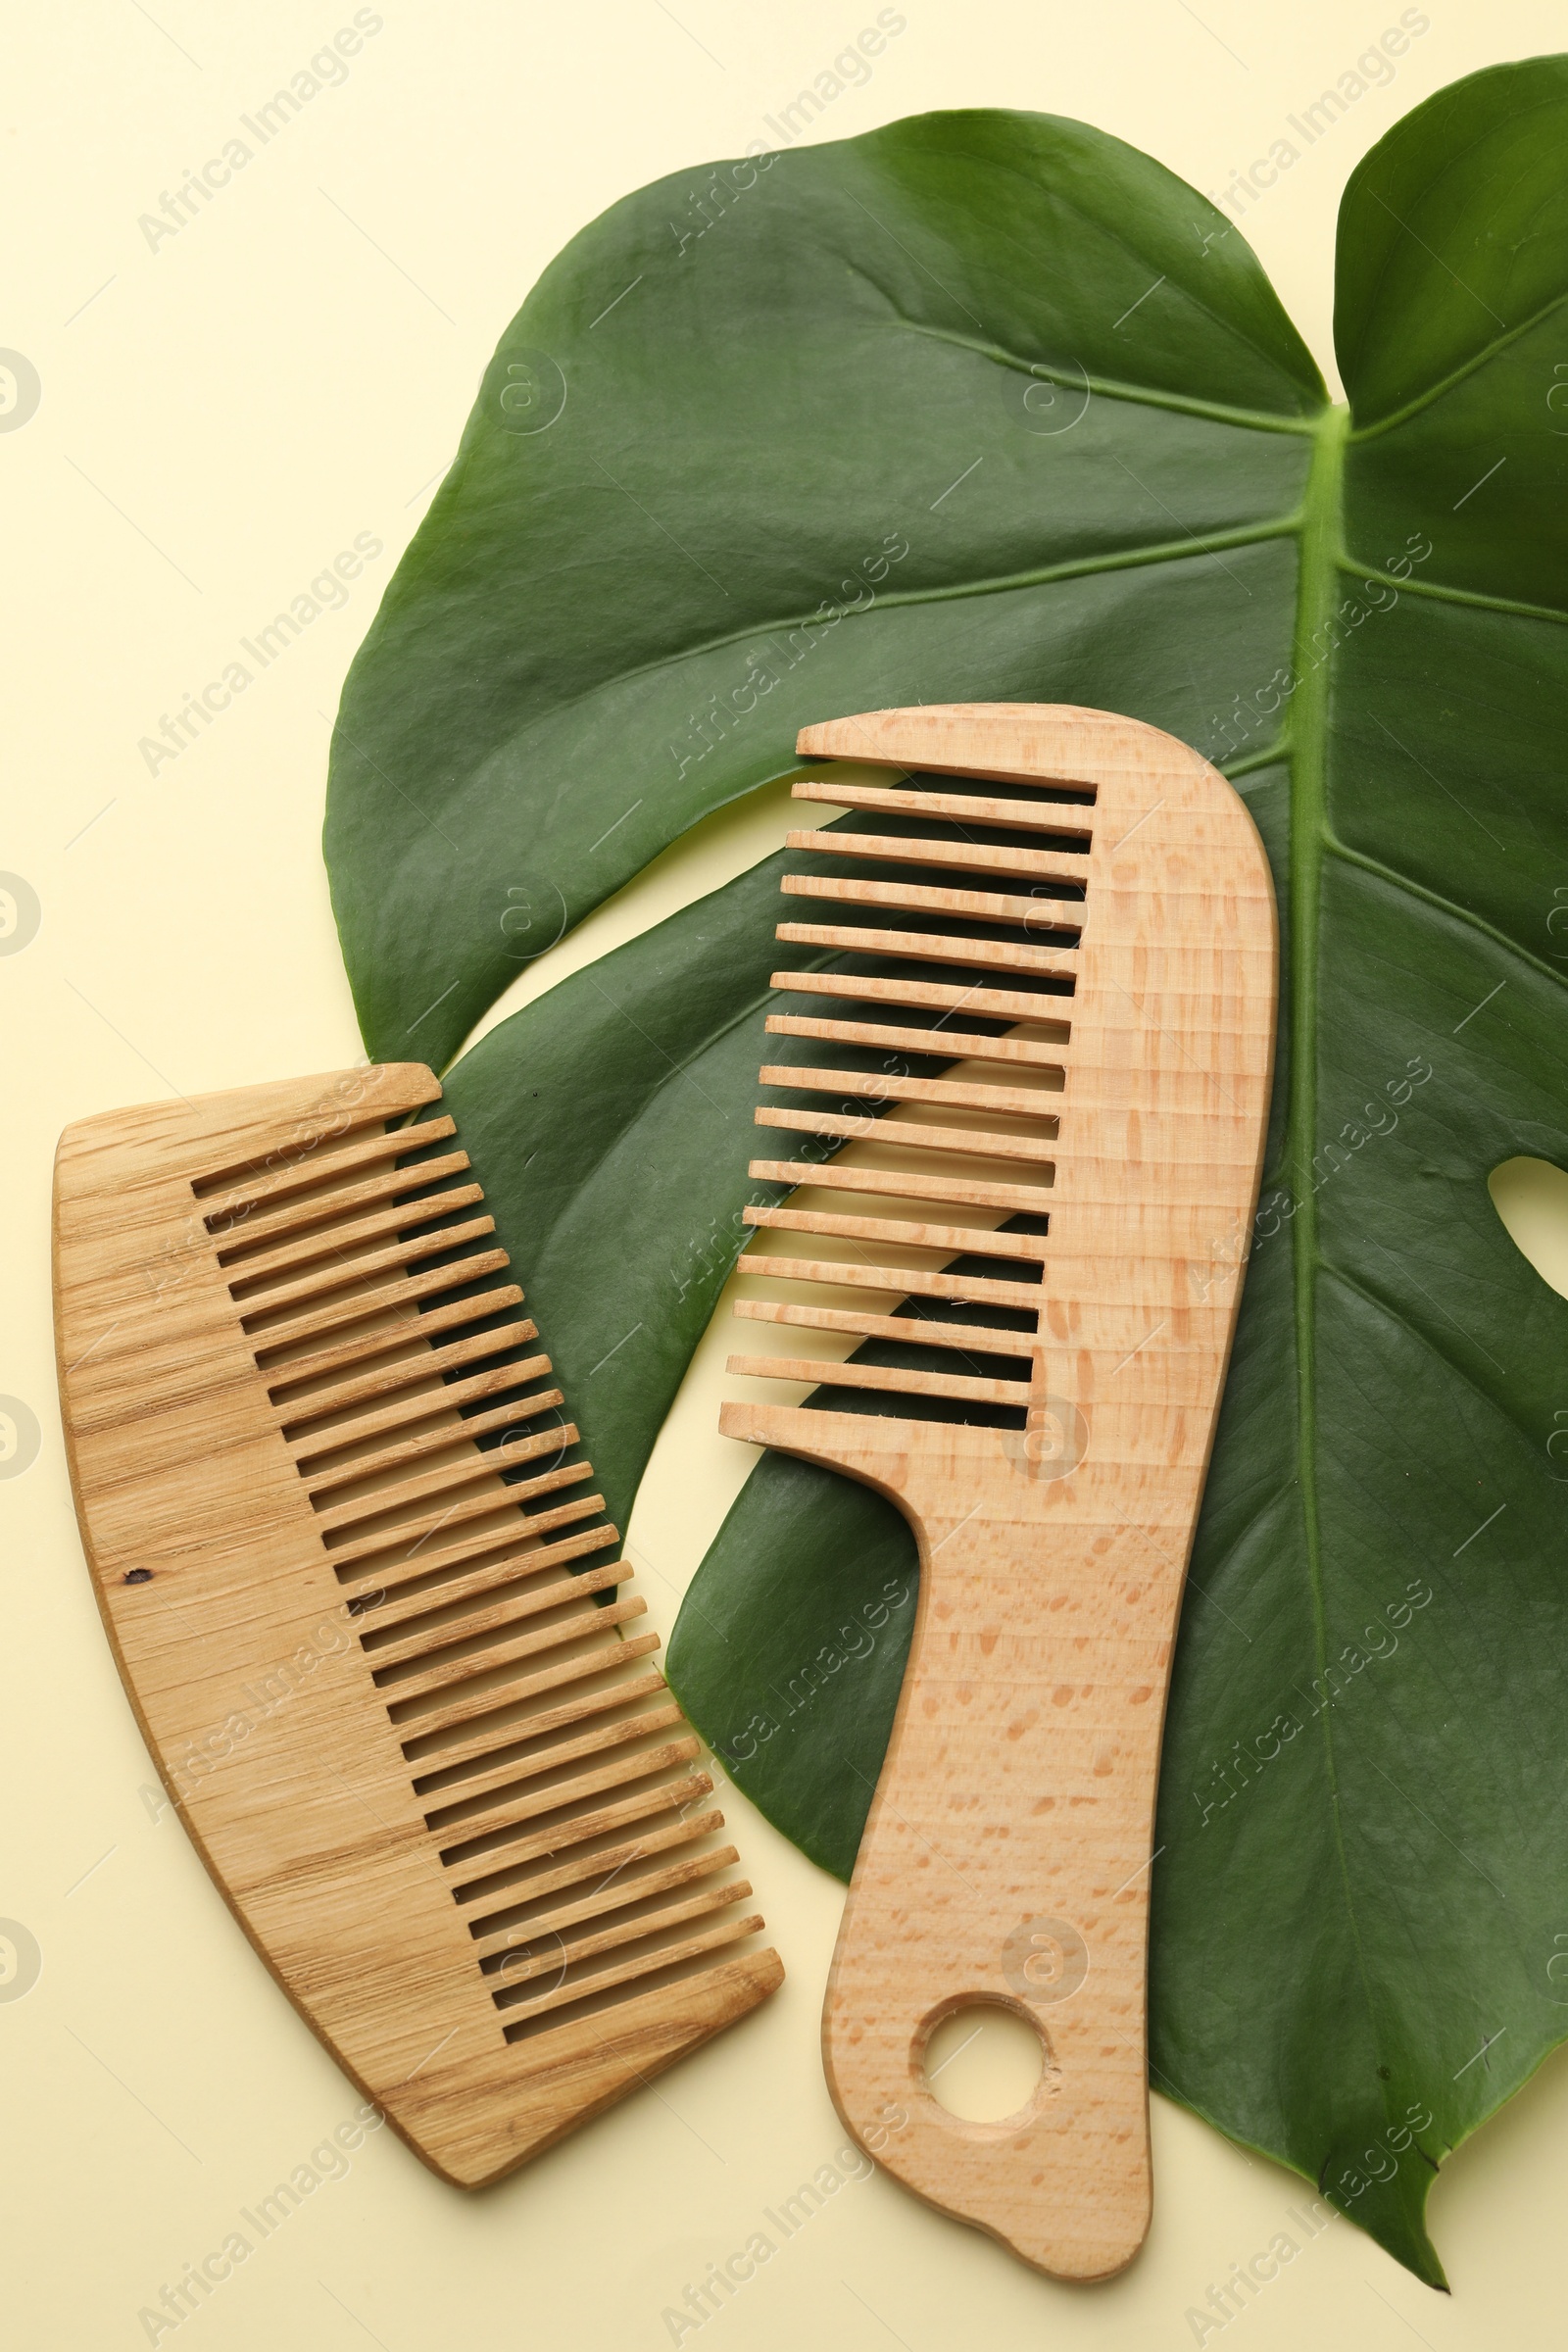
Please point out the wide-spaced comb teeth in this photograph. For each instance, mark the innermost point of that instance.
(977, 1044)
(354, 1565)
(1020, 807)
(1002, 956)
(971, 998)
(1001, 908)
(940, 1090)
(1008, 1113)
(949, 851)
(980, 1143)
(1035, 1078)
(961, 1193)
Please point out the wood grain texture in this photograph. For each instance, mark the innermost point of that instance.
(410, 1747)
(1007, 1851)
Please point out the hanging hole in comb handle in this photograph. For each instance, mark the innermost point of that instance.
(982, 2060)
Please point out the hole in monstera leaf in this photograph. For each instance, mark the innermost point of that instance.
(1531, 1196)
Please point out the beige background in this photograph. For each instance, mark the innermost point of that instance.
(219, 418)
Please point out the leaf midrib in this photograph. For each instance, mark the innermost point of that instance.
(1321, 552)
(1312, 843)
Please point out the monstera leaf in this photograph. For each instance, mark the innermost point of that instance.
(712, 491)
(988, 407)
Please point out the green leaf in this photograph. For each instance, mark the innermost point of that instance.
(1363, 1879)
(1396, 1871)
(831, 453)
(1058, 377)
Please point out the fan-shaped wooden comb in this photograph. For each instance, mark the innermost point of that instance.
(1085, 923)
(442, 1789)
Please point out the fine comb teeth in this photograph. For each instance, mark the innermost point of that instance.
(372, 1618)
(1040, 1006)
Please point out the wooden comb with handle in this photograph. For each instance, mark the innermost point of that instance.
(444, 1791)
(1076, 909)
